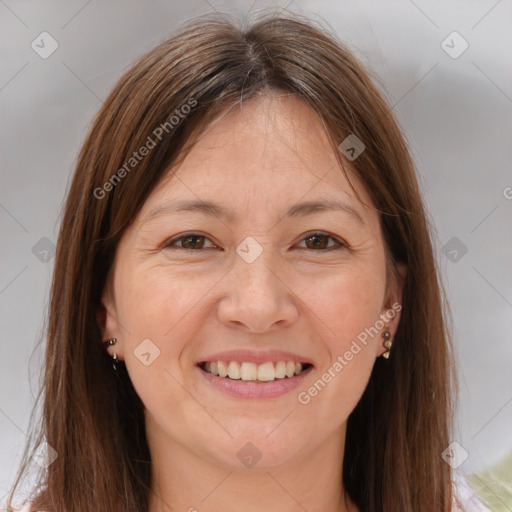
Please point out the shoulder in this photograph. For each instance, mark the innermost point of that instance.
(464, 499)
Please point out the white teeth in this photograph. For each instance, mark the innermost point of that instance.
(265, 372)
(280, 369)
(290, 369)
(213, 368)
(222, 369)
(234, 370)
(249, 371)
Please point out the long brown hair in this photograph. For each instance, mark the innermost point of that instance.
(91, 415)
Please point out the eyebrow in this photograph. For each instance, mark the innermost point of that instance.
(216, 210)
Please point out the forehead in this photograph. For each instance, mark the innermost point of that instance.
(271, 150)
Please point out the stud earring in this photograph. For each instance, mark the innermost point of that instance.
(115, 360)
(387, 343)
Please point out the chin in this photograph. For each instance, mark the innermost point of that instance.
(259, 447)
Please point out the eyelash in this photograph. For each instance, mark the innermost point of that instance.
(340, 245)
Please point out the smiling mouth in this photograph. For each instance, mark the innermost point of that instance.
(252, 372)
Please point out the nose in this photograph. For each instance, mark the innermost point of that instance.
(257, 297)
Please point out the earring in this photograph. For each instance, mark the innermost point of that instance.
(114, 362)
(387, 343)
(114, 356)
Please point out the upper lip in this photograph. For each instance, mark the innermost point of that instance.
(258, 357)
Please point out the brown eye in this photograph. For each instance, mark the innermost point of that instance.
(189, 242)
(313, 241)
(319, 241)
(192, 242)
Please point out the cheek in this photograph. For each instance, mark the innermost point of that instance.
(347, 308)
(164, 306)
(333, 395)
(156, 301)
(152, 311)
(347, 302)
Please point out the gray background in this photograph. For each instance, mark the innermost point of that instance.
(456, 113)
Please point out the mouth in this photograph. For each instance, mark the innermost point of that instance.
(247, 371)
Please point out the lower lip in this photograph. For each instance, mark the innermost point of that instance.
(255, 390)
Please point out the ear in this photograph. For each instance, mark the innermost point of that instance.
(390, 313)
(106, 316)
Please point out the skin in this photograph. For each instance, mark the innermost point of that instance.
(193, 302)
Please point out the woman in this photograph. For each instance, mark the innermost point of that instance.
(244, 237)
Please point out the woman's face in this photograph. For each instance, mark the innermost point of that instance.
(258, 276)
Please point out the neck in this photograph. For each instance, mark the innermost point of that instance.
(184, 480)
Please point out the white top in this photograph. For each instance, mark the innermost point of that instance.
(465, 499)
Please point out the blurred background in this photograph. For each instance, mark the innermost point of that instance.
(444, 66)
